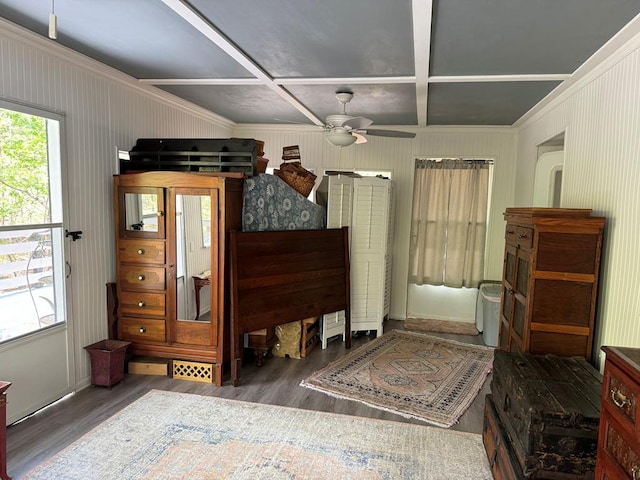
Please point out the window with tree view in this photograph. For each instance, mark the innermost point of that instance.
(31, 239)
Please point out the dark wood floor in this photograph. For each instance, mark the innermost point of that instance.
(40, 436)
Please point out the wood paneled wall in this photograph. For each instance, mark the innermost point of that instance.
(601, 120)
(398, 156)
(103, 109)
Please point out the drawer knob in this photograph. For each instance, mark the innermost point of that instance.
(141, 278)
(141, 251)
(141, 303)
(143, 330)
(510, 232)
(635, 473)
(620, 400)
(521, 236)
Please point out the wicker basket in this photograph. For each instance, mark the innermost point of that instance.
(297, 177)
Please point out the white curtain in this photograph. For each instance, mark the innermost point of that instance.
(449, 222)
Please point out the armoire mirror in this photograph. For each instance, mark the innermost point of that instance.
(141, 212)
(193, 257)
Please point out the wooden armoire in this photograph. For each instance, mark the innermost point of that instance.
(550, 280)
(171, 236)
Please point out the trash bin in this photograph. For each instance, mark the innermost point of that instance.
(490, 293)
(107, 361)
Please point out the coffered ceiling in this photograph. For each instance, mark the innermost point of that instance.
(410, 63)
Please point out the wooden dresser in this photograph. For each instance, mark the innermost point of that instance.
(619, 435)
(171, 227)
(550, 280)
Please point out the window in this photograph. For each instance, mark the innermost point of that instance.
(31, 234)
(449, 222)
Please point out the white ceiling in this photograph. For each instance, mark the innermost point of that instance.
(410, 63)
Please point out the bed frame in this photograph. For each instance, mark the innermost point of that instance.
(279, 277)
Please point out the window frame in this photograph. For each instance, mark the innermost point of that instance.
(54, 124)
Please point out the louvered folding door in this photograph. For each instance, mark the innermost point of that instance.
(364, 205)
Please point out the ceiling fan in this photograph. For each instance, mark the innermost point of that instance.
(342, 130)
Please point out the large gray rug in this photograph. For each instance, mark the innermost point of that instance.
(167, 435)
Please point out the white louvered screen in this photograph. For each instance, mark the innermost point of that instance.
(370, 232)
(363, 205)
(339, 202)
(388, 256)
(339, 190)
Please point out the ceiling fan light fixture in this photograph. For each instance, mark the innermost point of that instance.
(340, 139)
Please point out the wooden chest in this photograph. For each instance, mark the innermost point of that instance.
(502, 458)
(549, 407)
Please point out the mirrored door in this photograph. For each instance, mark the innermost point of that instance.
(196, 265)
(141, 212)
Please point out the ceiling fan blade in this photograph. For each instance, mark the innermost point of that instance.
(390, 133)
(357, 123)
(360, 138)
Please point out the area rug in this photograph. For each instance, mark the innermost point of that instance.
(411, 374)
(440, 326)
(167, 435)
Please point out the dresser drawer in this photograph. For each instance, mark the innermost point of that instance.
(140, 303)
(621, 395)
(620, 448)
(142, 330)
(524, 237)
(141, 251)
(141, 278)
(510, 235)
(519, 236)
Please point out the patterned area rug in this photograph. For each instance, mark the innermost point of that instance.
(442, 326)
(411, 374)
(167, 435)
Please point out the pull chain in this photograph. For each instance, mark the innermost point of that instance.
(53, 22)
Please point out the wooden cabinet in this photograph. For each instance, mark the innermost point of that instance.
(619, 435)
(550, 280)
(170, 228)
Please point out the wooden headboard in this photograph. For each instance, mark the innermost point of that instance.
(279, 277)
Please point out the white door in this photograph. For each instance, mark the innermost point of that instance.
(34, 329)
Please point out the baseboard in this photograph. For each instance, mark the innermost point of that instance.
(440, 326)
